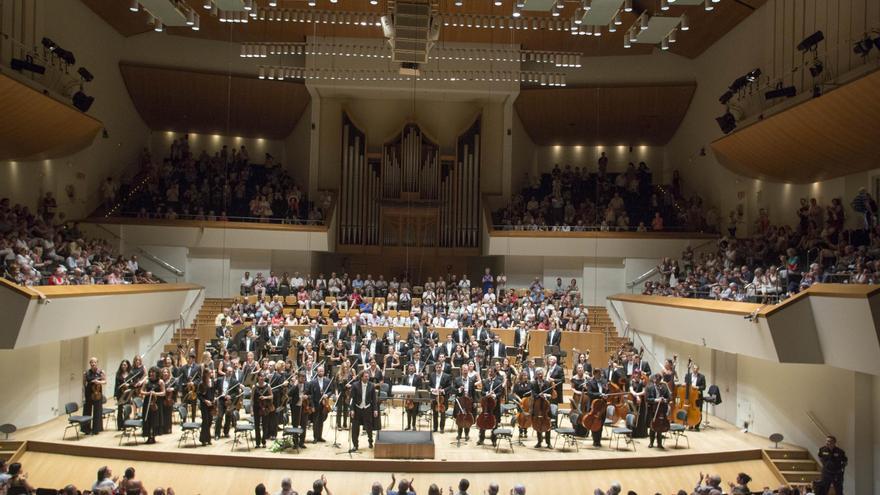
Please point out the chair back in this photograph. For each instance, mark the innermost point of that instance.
(181, 411)
(681, 415)
(609, 411)
(70, 408)
(630, 420)
(126, 411)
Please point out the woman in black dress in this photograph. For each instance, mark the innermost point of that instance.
(166, 406)
(152, 392)
(123, 373)
(206, 406)
(637, 388)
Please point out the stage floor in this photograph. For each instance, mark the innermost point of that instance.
(722, 442)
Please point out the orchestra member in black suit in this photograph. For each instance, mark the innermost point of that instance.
(191, 374)
(492, 387)
(697, 382)
(152, 393)
(658, 395)
(496, 349)
(225, 389)
(277, 343)
(418, 363)
(340, 333)
(482, 334)
(411, 379)
(362, 358)
(554, 337)
(262, 402)
(93, 378)
(597, 389)
(556, 374)
(448, 347)
(296, 393)
(364, 409)
(460, 336)
(636, 363)
(542, 387)
(319, 389)
(430, 333)
(439, 384)
(250, 343)
(521, 339)
(465, 386)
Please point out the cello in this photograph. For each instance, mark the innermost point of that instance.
(541, 421)
(594, 420)
(486, 419)
(465, 417)
(619, 394)
(660, 421)
(524, 417)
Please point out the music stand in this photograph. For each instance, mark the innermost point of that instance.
(422, 397)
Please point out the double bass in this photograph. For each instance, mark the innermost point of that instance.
(685, 398)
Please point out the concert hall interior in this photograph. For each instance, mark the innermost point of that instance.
(475, 246)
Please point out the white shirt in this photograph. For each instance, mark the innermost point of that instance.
(364, 388)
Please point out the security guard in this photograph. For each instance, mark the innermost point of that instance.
(833, 461)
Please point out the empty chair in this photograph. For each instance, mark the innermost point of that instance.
(130, 426)
(75, 421)
(187, 428)
(625, 432)
(677, 430)
(242, 430)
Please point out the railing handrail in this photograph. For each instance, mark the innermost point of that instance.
(299, 221)
(641, 278)
(150, 256)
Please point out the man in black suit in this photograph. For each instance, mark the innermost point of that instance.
(657, 395)
(355, 330)
(541, 387)
(250, 343)
(448, 347)
(339, 333)
(412, 379)
(439, 384)
(465, 386)
(460, 336)
(429, 333)
(636, 363)
(225, 390)
(596, 389)
(364, 409)
(520, 339)
(418, 362)
(492, 387)
(497, 349)
(483, 334)
(697, 383)
(318, 389)
(556, 374)
(277, 343)
(191, 374)
(554, 337)
(315, 333)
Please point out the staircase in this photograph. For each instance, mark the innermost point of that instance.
(793, 466)
(600, 321)
(10, 450)
(201, 331)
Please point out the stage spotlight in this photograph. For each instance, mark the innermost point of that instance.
(28, 65)
(811, 41)
(863, 47)
(779, 92)
(85, 74)
(49, 44)
(65, 55)
(726, 122)
(753, 75)
(82, 101)
(816, 68)
(725, 97)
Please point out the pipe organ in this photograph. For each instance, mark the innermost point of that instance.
(409, 195)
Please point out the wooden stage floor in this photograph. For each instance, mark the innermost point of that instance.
(721, 443)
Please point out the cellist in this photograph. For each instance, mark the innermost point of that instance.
(658, 395)
(578, 387)
(493, 386)
(466, 386)
(637, 388)
(597, 389)
(541, 387)
(522, 389)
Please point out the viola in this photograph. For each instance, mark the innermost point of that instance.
(267, 405)
(307, 407)
(541, 414)
(465, 416)
(660, 422)
(409, 404)
(441, 405)
(594, 420)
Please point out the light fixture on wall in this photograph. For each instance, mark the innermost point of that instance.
(664, 44)
(207, 4)
(685, 25)
(133, 6)
(190, 17)
(664, 5)
(273, 3)
(709, 5)
(672, 35)
(158, 26)
(643, 21)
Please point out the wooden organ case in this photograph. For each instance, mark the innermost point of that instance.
(408, 194)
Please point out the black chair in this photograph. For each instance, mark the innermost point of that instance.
(503, 434)
(107, 414)
(188, 429)
(75, 421)
(130, 426)
(245, 431)
(678, 430)
(294, 433)
(625, 432)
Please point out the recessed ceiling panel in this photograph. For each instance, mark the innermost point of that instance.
(658, 28)
(603, 12)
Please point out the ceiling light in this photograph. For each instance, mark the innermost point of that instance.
(158, 26)
(685, 26)
(618, 19)
(560, 4)
(273, 3)
(643, 24)
(498, 3)
(263, 50)
(633, 35)
(190, 17)
(374, 2)
(312, 3)
(578, 16)
(519, 3)
(196, 22)
(627, 6)
(626, 42)
(708, 5)
(133, 6)
(516, 12)
(207, 4)
(262, 73)
(672, 35)
(248, 5)
(459, 3)
(555, 10)
(664, 5)
(271, 74)
(586, 5)
(612, 28)
(664, 45)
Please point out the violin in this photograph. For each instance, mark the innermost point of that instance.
(307, 408)
(191, 395)
(97, 392)
(486, 419)
(465, 416)
(170, 393)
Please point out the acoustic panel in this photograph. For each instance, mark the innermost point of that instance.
(819, 139)
(608, 115)
(211, 103)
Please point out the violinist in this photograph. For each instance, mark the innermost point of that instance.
(697, 381)
(344, 374)
(277, 381)
(152, 392)
(298, 418)
(364, 408)
(493, 387)
(439, 385)
(638, 386)
(192, 375)
(530, 370)
(466, 386)
(338, 354)
(417, 362)
(522, 389)
(120, 386)
(261, 398)
(635, 363)
(93, 381)
(657, 396)
(430, 334)
(249, 370)
(205, 402)
(277, 342)
(138, 377)
(556, 374)
(249, 343)
(597, 389)
(543, 388)
(225, 389)
(319, 389)
(412, 379)
(578, 383)
(583, 359)
(166, 406)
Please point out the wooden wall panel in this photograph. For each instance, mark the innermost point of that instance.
(819, 139)
(38, 127)
(604, 115)
(211, 103)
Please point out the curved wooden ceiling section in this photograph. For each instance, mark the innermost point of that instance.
(180, 100)
(610, 115)
(822, 138)
(706, 27)
(38, 127)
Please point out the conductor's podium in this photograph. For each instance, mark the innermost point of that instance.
(404, 445)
